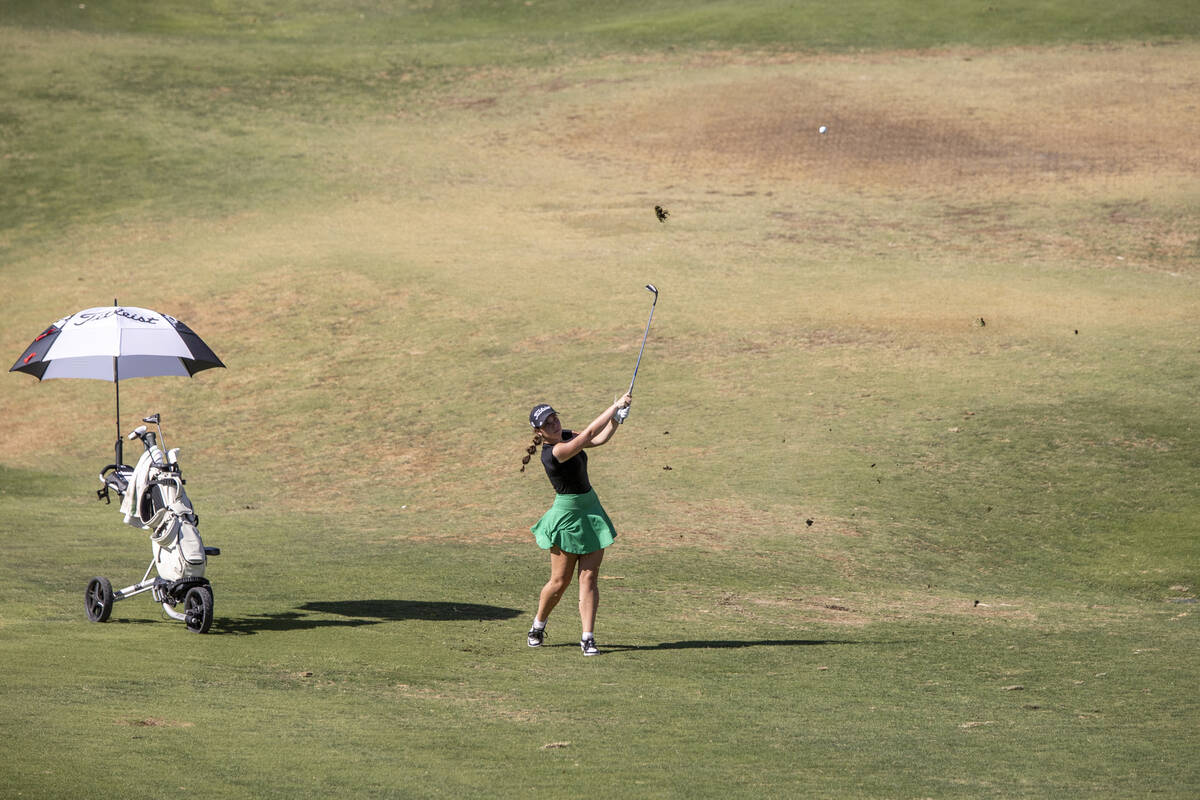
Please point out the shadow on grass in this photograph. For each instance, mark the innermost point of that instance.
(359, 613)
(392, 610)
(716, 644)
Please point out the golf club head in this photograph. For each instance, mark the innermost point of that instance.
(652, 288)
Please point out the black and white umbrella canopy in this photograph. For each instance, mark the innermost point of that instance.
(115, 343)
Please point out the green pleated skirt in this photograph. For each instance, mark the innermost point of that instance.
(576, 523)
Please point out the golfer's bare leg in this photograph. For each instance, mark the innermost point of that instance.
(589, 588)
(562, 565)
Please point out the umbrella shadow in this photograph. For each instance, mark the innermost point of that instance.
(283, 621)
(358, 613)
(395, 610)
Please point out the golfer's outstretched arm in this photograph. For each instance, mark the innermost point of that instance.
(595, 434)
(612, 426)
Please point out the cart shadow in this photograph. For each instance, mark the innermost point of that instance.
(357, 613)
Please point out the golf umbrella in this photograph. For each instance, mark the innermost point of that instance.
(113, 343)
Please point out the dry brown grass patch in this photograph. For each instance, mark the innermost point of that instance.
(1005, 117)
(490, 704)
(155, 722)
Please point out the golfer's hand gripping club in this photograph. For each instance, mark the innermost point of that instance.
(623, 410)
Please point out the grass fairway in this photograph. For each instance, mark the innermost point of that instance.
(907, 500)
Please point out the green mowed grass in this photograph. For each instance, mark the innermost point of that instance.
(907, 498)
(548, 28)
(385, 673)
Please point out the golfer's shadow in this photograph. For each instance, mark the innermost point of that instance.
(357, 613)
(716, 644)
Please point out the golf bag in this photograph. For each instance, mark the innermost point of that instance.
(153, 499)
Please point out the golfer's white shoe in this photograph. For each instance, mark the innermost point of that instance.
(535, 637)
(588, 646)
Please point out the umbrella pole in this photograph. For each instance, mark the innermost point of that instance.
(119, 449)
(120, 446)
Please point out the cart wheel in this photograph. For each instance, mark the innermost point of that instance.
(198, 607)
(98, 599)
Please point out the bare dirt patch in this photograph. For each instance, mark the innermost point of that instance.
(491, 704)
(910, 119)
(861, 608)
(720, 524)
(509, 536)
(1077, 155)
(154, 722)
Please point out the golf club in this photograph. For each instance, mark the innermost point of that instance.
(622, 413)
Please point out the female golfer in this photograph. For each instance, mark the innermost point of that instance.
(575, 530)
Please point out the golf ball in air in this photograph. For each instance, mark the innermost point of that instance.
(822, 129)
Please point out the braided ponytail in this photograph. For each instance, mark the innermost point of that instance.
(529, 451)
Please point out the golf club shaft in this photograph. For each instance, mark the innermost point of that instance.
(643, 349)
(622, 413)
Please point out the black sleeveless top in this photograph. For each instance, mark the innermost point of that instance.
(570, 476)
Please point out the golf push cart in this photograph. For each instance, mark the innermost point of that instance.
(152, 499)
